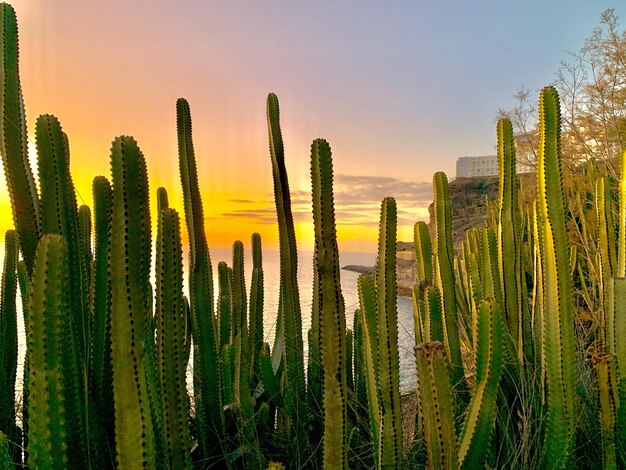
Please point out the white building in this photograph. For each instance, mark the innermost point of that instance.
(486, 165)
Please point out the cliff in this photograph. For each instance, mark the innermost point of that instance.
(469, 205)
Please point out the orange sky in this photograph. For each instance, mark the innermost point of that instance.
(400, 90)
(105, 73)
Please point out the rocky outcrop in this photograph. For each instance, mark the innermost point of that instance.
(469, 203)
(469, 200)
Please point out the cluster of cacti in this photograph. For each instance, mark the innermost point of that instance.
(499, 326)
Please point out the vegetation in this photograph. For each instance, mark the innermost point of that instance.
(520, 337)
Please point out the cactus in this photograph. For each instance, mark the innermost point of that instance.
(617, 313)
(290, 319)
(13, 142)
(480, 418)
(8, 343)
(509, 250)
(255, 331)
(207, 378)
(436, 406)
(48, 311)
(558, 304)
(423, 253)
(606, 396)
(170, 315)
(332, 321)
(444, 276)
(621, 246)
(369, 319)
(100, 372)
(388, 358)
(129, 269)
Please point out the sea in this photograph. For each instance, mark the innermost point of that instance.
(271, 275)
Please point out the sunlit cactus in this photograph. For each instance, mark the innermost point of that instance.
(48, 331)
(557, 287)
(129, 270)
(332, 321)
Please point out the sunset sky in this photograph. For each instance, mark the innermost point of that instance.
(400, 90)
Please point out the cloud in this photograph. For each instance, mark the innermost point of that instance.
(357, 201)
(241, 201)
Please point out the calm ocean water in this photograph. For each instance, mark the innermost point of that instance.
(271, 273)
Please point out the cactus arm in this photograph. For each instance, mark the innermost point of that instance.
(509, 242)
(255, 332)
(480, 418)
(388, 356)
(207, 381)
(101, 310)
(48, 320)
(8, 341)
(436, 406)
(621, 247)
(332, 321)
(445, 278)
(162, 199)
(291, 321)
(367, 301)
(423, 253)
(129, 265)
(13, 142)
(618, 314)
(558, 300)
(604, 366)
(170, 315)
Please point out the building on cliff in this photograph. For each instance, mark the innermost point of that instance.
(467, 167)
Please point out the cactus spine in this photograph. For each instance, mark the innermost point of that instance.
(557, 288)
(332, 321)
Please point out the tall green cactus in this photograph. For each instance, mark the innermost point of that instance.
(444, 256)
(608, 401)
(100, 372)
(617, 313)
(509, 243)
(207, 377)
(290, 318)
(481, 414)
(621, 247)
(388, 357)
(423, 253)
(436, 407)
(332, 321)
(255, 331)
(13, 142)
(170, 315)
(369, 320)
(559, 340)
(8, 341)
(48, 323)
(129, 265)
